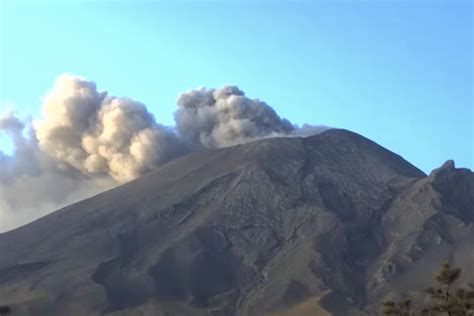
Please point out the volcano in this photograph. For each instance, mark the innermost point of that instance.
(324, 225)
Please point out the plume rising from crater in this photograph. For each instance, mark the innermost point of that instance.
(88, 141)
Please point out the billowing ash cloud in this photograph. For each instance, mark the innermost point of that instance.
(26, 158)
(95, 133)
(32, 183)
(87, 142)
(224, 117)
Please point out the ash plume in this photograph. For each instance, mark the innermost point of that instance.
(33, 184)
(96, 133)
(224, 117)
(87, 142)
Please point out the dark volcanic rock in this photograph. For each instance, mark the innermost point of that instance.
(331, 222)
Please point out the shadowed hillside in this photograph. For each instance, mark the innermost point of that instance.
(332, 222)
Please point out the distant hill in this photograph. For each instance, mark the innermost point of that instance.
(325, 224)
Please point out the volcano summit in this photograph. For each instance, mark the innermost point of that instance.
(323, 225)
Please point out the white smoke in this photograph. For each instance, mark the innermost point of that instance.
(87, 142)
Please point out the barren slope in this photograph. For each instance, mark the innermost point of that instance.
(253, 229)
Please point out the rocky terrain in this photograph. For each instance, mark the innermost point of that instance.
(324, 225)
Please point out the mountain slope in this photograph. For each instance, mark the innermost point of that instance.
(247, 230)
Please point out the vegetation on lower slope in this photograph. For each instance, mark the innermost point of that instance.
(444, 299)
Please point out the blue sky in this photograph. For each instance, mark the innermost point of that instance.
(397, 72)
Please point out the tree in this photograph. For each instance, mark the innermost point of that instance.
(402, 308)
(445, 299)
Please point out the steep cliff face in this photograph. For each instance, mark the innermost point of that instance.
(324, 224)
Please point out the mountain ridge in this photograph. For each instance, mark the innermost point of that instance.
(242, 230)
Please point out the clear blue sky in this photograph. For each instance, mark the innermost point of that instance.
(398, 72)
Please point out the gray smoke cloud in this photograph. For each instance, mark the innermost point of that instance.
(87, 142)
(225, 117)
(95, 133)
(33, 184)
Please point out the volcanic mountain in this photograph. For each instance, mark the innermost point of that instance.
(324, 225)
